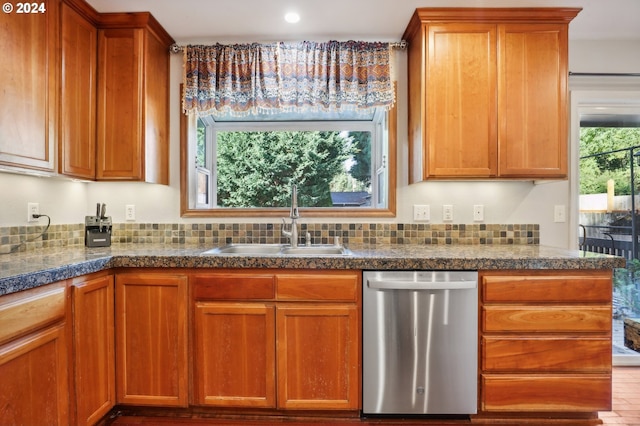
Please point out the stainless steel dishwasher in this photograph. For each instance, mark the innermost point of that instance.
(420, 342)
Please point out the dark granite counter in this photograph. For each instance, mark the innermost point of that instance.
(21, 271)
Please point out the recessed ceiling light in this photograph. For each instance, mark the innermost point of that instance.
(292, 17)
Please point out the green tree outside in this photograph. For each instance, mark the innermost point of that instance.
(596, 171)
(257, 169)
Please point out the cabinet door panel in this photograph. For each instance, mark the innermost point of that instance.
(28, 72)
(461, 97)
(77, 155)
(33, 384)
(548, 354)
(234, 285)
(532, 106)
(546, 393)
(94, 349)
(235, 354)
(326, 285)
(550, 319)
(318, 357)
(151, 339)
(588, 288)
(120, 104)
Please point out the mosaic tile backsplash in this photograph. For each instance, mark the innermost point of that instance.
(321, 233)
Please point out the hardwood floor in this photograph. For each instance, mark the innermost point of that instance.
(626, 410)
(626, 398)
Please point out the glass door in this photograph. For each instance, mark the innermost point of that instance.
(608, 205)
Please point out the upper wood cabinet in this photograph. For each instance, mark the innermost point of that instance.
(133, 99)
(77, 130)
(488, 93)
(29, 75)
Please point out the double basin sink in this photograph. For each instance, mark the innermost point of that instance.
(279, 250)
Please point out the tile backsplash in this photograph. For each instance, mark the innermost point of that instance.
(321, 233)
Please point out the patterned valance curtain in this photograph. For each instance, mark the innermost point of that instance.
(241, 79)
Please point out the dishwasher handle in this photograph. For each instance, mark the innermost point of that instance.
(421, 285)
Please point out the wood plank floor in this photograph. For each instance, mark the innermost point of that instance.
(626, 410)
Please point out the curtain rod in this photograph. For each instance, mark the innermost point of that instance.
(604, 74)
(400, 45)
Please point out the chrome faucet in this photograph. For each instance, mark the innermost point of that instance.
(294, 214)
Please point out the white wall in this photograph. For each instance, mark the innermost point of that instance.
(505, 202)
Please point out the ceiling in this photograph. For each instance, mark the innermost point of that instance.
(227, 21)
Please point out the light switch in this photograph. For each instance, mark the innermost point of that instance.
(559, 213)
(421, 212)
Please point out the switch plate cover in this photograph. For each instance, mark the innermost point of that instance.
(421, 212)
(447, 212)
(559, 213)
(130, 212)
(478, 212)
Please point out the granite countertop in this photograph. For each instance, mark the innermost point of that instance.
(21, 271)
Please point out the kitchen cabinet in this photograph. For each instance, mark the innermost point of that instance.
(292, 336)
(133, 99)
(545, 341)
(33, 357)
(77, 129)
(488, 93)
(29, 101)
(93, 347)
(151, 338)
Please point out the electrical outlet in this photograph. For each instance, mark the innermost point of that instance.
(421, 212)
(32, 208)
(130, 212)
(478, 212)
(559, 213)
(447, 212)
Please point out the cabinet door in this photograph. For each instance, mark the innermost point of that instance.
(318, 356)
(151, 339)
(235, 354)
(93, 349)
(77, 149)
(120, 99)
(28, 72)
(34, 386)
(461, 127)
(532, 103)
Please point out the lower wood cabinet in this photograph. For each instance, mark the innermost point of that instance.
(151, 339)
(33, 357)
(545, 341)
(280, 340)
(93, 372)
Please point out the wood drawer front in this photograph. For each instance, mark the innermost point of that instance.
(546, 319)
(546, 355)
(526, 288)
(575, 393)
(234, 286)
(24, 312)
(339, 286)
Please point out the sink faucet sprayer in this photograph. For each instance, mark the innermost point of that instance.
(294, 214)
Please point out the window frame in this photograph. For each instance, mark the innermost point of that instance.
(188, 137)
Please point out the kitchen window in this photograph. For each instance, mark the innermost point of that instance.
(343, 164)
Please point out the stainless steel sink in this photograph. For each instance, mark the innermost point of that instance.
(247, 249)
(279, 249)
(316, 250)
